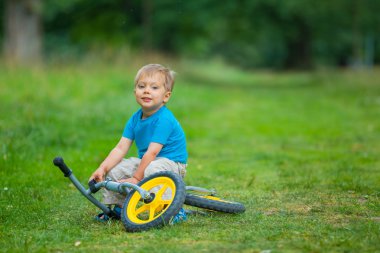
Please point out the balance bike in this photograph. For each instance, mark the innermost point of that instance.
(154, 201)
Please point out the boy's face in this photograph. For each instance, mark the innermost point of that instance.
(151, 94)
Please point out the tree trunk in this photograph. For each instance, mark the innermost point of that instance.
(23, 31)
(299, 46)
(147, 24)
(357, 54)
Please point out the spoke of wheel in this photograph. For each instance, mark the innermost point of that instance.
(164, 202)
(152, 211)
(161, 191)
(142, 208)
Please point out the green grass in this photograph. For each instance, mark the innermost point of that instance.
(300, 150)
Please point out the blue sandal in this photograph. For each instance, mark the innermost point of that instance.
(179, 217)
(102, 217)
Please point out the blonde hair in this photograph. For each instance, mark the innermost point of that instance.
(152, 69)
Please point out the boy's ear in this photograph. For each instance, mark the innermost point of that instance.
(167, 96)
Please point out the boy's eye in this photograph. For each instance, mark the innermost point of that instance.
(140, 86)
(154, 87)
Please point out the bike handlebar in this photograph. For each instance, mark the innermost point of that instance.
(58, 161)
(92, 186)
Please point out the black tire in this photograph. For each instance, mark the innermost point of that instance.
(132, 213)
(214, 203)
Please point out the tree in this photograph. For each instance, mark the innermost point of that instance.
(23, 31)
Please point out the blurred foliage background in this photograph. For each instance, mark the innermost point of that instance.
(292, 34)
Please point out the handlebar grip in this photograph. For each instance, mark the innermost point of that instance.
(92, 187)
(58, 161)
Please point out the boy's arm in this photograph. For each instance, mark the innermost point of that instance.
(113, 158)
(151, 154)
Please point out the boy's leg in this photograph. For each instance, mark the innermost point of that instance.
(164, 164)
(123, 170)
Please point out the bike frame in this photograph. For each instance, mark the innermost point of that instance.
(122, 188)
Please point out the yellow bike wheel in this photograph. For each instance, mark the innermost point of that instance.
(168, 195)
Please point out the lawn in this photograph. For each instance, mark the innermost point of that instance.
(300, 150)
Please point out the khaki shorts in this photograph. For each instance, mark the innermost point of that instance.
(127, 167)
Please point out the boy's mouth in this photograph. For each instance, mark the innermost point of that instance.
(146, 99)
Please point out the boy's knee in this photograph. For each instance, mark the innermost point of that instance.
(158, 165)
(114, 174)
(151, 169)
(124, 169)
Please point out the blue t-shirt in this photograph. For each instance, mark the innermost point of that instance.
(161, 127)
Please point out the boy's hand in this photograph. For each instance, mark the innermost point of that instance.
(131, 180)
(98, 175)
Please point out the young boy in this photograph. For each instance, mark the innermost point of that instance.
(159, 138)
